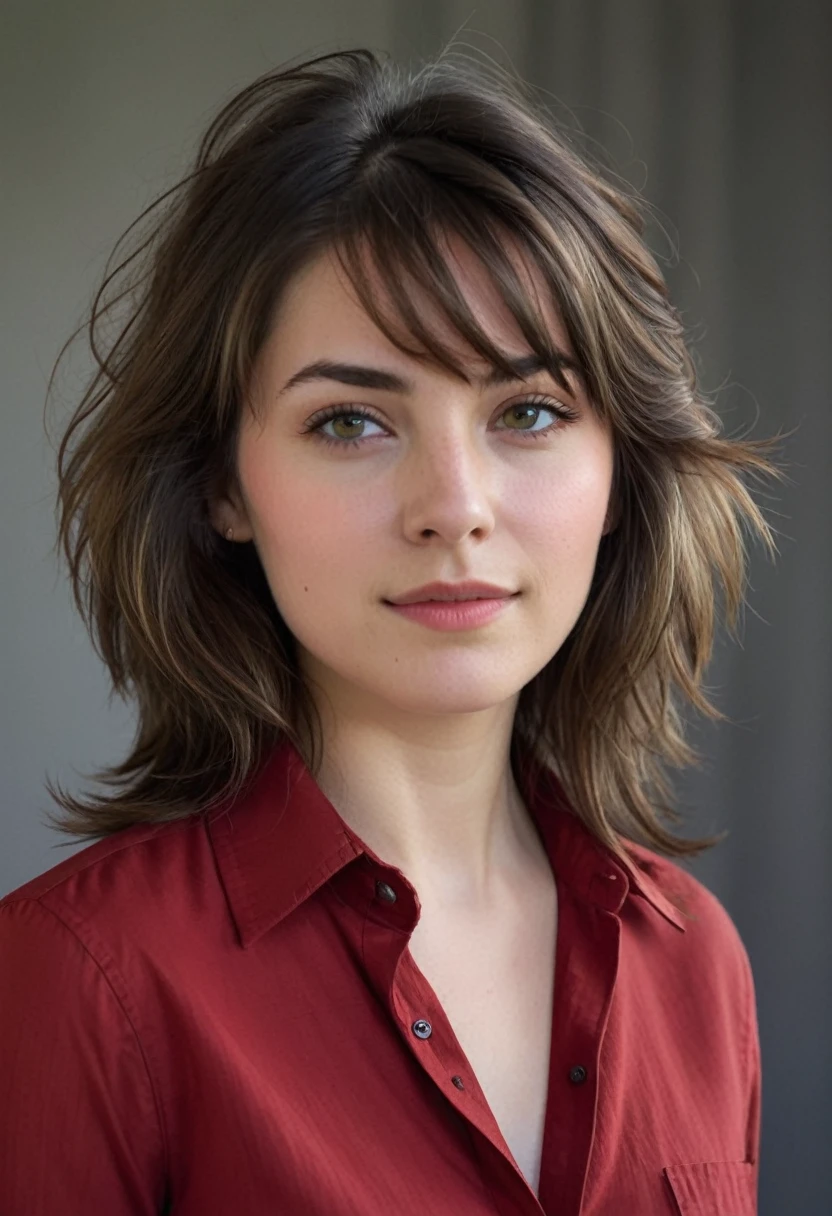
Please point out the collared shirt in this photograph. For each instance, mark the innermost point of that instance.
(220, 1015)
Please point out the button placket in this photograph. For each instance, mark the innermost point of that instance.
(436, 1057)
(590, 923)
(433, 1043)
(438, 1061)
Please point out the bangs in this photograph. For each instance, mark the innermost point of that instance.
(398, 233)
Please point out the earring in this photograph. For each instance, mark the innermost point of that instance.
(229, 533)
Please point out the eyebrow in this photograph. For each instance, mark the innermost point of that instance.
(358, 376)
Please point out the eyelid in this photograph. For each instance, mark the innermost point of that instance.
(565, 400)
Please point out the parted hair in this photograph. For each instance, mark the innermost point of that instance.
(350, 153)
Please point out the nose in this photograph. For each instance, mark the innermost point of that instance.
(449, 491)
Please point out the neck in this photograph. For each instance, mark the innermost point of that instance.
(451, 819)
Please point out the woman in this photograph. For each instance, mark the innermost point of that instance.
(380, 914)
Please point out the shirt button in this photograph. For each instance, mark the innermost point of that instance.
(577, 1075)
(458, 1082)
(385, 892)
(422, 1029)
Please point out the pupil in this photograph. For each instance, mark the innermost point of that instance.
(349, 420)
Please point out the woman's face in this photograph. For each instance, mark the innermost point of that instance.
(444, 484)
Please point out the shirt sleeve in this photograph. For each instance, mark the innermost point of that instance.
(80, 1129)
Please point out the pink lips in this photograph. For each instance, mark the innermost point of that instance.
(454, 615)
(469, 589)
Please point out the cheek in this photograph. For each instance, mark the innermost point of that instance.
(565, 514)
(559, 529)
(304, 536)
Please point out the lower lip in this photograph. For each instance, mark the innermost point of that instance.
(461, 614)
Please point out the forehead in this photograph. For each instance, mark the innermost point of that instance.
(320, 312)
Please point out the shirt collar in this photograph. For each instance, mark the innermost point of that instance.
(281, 839)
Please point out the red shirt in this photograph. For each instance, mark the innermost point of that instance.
(220, 1016)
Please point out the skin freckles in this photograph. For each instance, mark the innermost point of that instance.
(418, 723)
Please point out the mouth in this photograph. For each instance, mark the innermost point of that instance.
(454, 615)
(457, 599)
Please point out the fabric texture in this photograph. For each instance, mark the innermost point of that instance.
(217, 1016)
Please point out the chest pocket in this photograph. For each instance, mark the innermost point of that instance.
(714, 1188)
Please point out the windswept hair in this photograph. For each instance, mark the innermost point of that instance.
(352, 154)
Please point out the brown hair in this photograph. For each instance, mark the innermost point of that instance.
(350, 153)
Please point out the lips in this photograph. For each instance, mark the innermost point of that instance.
(452, 593)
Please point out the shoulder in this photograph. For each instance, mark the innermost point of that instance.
(91, 940)
(114, 887)
(74, 1034)
(703, 979)
(712, 940)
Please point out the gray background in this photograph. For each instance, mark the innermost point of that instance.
(720, 112)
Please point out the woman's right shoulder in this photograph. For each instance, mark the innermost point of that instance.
(75, 1081)
(110, 886)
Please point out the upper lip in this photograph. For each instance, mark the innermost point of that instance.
(468, 590)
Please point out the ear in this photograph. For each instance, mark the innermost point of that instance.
(228, 511)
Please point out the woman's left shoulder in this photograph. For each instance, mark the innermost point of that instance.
(708, 924)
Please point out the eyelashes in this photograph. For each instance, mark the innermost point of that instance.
(563, 414)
